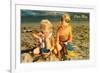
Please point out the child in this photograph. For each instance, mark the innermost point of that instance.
(48, 39)
(64, 39)
(63, 36)
(45, 37)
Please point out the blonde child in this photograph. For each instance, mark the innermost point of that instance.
(64, 38)
(46, 38)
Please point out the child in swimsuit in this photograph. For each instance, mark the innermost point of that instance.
(64, 39)
(63, 36)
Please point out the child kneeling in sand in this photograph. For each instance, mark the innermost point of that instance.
(46, 38)
(64, 38)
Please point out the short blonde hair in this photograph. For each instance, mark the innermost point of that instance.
(65, 16)
(45, 23)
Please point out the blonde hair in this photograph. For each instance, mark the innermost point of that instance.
(45, 23)
(65, 16)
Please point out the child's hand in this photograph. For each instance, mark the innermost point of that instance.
(52, 48)
(36, 51)
(59, 47)
(65, 43)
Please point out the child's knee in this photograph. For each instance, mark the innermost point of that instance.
(36, 51)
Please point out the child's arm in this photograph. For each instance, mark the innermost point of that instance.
(57, 41)
(36, 36)
(57, 36)
(52, 43)
(70, 34)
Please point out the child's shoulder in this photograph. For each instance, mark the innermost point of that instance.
(59, 27)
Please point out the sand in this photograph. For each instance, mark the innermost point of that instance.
(80, 39)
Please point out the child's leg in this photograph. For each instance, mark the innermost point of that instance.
(65, 51)
(59, 55)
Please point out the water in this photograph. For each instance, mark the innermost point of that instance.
(34, 16)
(36, 19)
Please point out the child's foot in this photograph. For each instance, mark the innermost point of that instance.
(68, 57)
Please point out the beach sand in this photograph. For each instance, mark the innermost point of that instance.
(80, 39)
